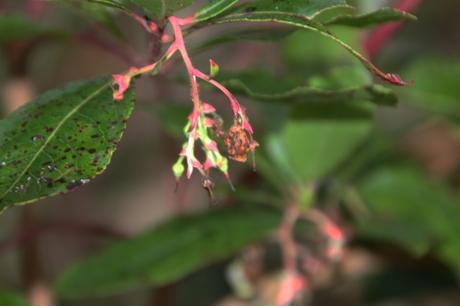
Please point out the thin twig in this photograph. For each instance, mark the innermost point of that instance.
(37, 288)
(33, 231)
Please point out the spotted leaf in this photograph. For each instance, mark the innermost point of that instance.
(60, 141)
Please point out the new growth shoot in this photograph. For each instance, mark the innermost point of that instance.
(204, 124)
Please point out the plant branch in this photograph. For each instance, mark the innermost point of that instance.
(31, 232)
(37, 288)
(202, 118)
(93, 39)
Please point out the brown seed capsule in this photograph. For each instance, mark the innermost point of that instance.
(239, 143)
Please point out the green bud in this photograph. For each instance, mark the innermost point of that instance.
(213, 69)
(186, 127)
(222, 163)
(178, 168)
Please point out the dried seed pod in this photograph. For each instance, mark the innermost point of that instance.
(239, 143)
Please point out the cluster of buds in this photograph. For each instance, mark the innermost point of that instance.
(203, 123)
(199, 127)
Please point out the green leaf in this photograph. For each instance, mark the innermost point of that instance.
(304, 22)
(411, 210)
(94, 11)
(60, 141)
(355, 110)
(436, 88)
(162, 8)
(168, 252)
(313, 149)
(173, 117)
(309, 8)
(213, 9)
(380, 16)
(107, 3)
(262, 86)
(263, 35)
(11, 299)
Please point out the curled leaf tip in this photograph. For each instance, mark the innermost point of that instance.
(152, 26)
(122, 83)
(395, 79)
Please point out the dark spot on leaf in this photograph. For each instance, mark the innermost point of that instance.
(60, 181)
(48, 129)
(95, 160)
(38, 138)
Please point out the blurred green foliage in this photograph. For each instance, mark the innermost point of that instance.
(323, 121)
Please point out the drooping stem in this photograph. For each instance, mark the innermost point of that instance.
(194, 90)
(200, 120)
(286, 239)
(335, 235)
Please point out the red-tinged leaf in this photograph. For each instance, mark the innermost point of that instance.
(304, 22)
(395, 79)
(377, 38)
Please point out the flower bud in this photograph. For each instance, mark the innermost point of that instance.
(178, 168)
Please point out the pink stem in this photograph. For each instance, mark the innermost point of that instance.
(333, 232)
(286, 239)
(236, 108)
(179, 44)
(225, 91)
(194, 73)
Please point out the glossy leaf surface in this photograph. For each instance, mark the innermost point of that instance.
(168, 252)
(60, 141)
